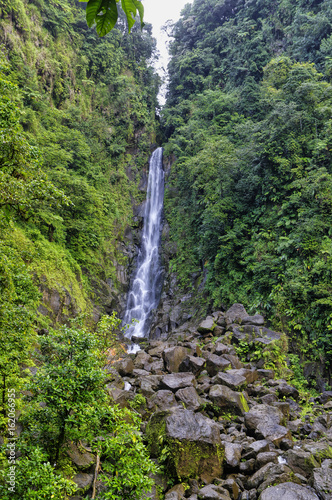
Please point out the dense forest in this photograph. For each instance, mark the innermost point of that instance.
(248, 118)
(247, 134)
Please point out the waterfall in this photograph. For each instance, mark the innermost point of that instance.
(145, 289)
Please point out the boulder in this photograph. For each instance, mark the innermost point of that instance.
(189, 397)
(162, 400)
(124, 366)
(265, 421)
(288, 491)
(82, 459)
(176, 381)
(83, 481)
(269, 474)
(257, 320)
(235, 314)
(207, 326)
(233, 381)
(232, 454)
(176, 493)
(142, 359)
(301, 462)
(173, 357)
(213, 492)
(193, 440)
(149, 385)
(322, 480)
(215, 364)
(193, 364)
(226, 399)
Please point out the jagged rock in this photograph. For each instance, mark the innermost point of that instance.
(206, 326)
(301, 462)
(253, 449)
(269, 474)
(225, 398)
(215, 364)
(266, 457)
(213, 492)
(257, 320)
(176, 493)
(83, 459)
(83, 481)
(141, 359)
(192, 364)
(262, 414)
(124, 366)
(248, 466)
(194, 441)
(251, 375)
(265, 421)
(149, 385)
(233, 381)
(322, 480)
(232, 454)
(173, 357)
(267, 374)
(287, 391)
(235, 314)
(137, 372)
(288, 491)
(176, 381)
(220, 348)
(162, 400)
(236, 364)
(157, 367)
(253, 333)
(189, 397)
(268, 399)
(325, 397)
(232, 487)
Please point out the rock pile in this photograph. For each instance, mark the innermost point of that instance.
(225, 429)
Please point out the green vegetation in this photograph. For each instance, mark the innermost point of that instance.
(248, 118)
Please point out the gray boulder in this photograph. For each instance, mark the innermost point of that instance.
(227, 399)
(162, 400)
(193, 440)
(233, 381)
(232, 454)
(176, 381)
(173, 357)
(213, 492)
(322, 480)
(189, 397)
(288, 491)
(193, 364)
(215, 364)
(207, 326)
(235, 314)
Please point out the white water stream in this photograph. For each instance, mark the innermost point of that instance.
(144, 293)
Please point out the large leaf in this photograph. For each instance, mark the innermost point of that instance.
(107, 17)
(92, 10)
(104, 13)
(130, 10)
(140, 9)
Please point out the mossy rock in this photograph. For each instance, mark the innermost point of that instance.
(192, 443)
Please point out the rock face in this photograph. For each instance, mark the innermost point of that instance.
(224, 427)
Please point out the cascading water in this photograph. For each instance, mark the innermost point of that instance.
(144, 293)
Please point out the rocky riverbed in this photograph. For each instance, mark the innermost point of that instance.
(223, 428)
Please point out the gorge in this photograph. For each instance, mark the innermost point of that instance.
(228, 283)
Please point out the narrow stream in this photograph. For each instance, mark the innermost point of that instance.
(145, 289)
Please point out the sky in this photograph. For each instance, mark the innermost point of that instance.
(157, 12)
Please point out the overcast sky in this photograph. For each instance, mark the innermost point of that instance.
(157, 12)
